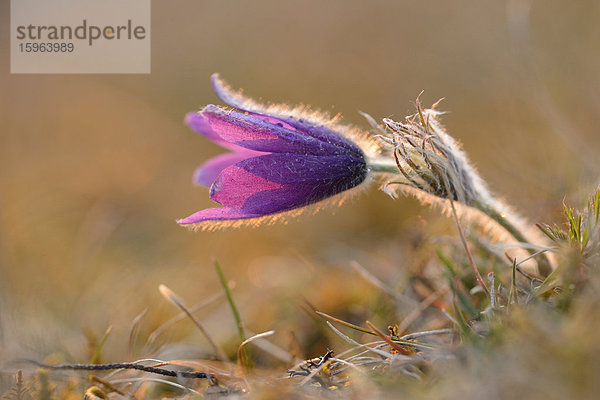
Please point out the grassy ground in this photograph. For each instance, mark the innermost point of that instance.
(432, 332)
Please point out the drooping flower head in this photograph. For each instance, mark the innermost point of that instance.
(280, 161)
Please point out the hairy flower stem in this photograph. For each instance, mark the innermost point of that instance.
(490, 210)
(383, 166)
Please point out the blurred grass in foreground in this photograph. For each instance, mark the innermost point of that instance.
(452, 340)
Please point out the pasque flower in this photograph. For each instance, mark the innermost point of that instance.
(280, 161)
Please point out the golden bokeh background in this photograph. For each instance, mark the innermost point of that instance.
(95, 169)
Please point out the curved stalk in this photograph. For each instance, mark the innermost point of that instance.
(490, 211)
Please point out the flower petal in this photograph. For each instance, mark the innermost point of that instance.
(318, 131)
(235, 185)
(275, 183)
(206, 174)
(258, 133)
(199, 124)
(215, 214)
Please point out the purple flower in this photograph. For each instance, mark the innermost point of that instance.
(281, 160)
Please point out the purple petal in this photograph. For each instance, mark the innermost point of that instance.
(275, 183)
(258, 133)
(322, 133)
(235, 99)
(215, 214)
(206, 174)
(235, 185)
(198, 123)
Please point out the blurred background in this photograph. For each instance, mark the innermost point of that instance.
(95, 169)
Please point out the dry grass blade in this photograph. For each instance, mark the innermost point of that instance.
(389, 341)
(533, 255)
(348, 324)
(353, 342)
(173, 298)
(349, 364)
(416, 335)
(158, 380)
(423, 305)
(377, 282)
(240, 352)
(363, 330)
(133, 332)
(274, 350)
(469, 254)
(361, 350)
(140, 361)
(158, 331)
(107, 385)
